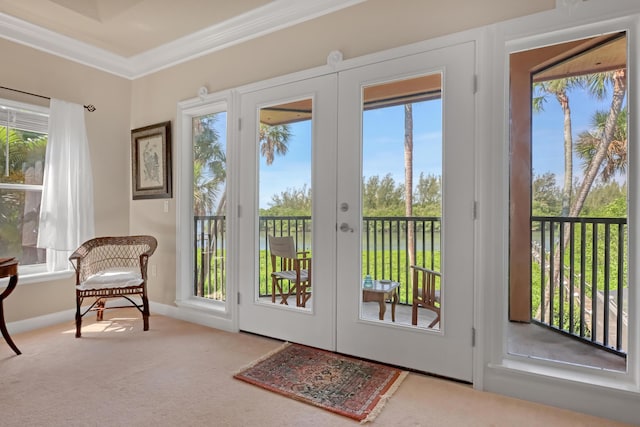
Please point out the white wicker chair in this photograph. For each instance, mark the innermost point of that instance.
(112, 267)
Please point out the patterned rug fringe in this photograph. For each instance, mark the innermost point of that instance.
(383, 399)
(266, 356)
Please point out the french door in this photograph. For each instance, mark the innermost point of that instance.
(436, 141)
(340, 231)
(288, 152)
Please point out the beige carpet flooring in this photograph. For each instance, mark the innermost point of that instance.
(180, 374)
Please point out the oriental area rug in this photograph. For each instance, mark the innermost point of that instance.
(347, 386)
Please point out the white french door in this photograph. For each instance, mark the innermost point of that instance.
(437, 83)
(305, 111)
(442, 80)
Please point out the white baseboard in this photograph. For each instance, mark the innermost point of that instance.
(190, 315)
(194, 315)
(39, 322)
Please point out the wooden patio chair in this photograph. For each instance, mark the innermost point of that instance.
(426, 293)
(292, 267)
(112, 267)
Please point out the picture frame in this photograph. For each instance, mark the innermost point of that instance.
(151, 161)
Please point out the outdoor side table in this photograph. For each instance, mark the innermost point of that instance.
(382, 291)
(8, 268)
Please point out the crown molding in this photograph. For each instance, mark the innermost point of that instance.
(274, 16)
(25, 33)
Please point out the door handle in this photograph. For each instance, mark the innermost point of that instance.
(344, 227)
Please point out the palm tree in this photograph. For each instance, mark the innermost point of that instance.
(558, 88)
(274, 139)
(616, 157)
(597, 85)
(209, 166)
(408, 178)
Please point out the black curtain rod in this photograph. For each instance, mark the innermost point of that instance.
(89, 107)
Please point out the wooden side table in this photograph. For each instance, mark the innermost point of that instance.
(8, 268)
(380, 293)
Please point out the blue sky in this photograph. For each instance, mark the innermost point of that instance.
(383, 132)
(548, 128)
(291, 171)
(383, 150)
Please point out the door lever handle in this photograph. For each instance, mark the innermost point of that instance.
(344, 227)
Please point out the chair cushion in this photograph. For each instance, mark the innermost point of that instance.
(112, 278)
(291, 275)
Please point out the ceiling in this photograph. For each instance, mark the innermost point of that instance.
(592, 55)
(132, 38)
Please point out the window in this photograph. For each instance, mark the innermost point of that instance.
(209, 204)
(569, 290)
(203, 196)
(23, 141)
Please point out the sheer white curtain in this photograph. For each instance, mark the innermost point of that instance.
(66, 212)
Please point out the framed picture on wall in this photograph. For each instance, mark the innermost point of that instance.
(151, 161)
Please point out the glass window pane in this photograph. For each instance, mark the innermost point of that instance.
(401, 198)
(285, 147)
(23, 142)
(19, 215)
(209, 203)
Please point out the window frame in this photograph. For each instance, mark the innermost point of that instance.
(219, 314)
(33, 272)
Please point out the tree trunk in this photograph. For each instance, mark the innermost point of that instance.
(567, 187)
(408, 180)
(563, 99)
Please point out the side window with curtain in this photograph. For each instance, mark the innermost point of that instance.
(23, 141)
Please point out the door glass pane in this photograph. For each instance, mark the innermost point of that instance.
(285, 150)
(209, 204)
(402, 200)
(570, 303)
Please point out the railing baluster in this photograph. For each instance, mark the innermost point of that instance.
(561, 293)
(552, 264)
(620, 302)
(594, 284)
(433, 243)
(543, 268)
(572, 272)
(605, 303)
(583, 274)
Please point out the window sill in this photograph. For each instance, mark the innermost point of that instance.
(27, 278)
(589, 376)
(201, 304)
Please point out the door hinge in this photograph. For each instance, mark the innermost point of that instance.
(239, 124)
(475, 83)
(238, 298)
(474, 210)
(473, 337)
(239, 211)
